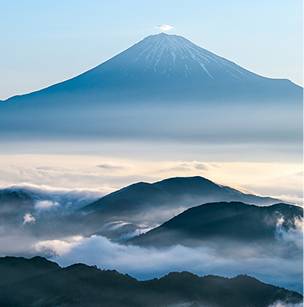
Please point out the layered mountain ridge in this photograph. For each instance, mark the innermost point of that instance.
(117, 215)
(222, 222)
(39, 282)
(153, 203)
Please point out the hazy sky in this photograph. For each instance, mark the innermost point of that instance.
(44, 42)
(266, 169)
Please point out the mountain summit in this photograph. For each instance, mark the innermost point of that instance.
(174, 56)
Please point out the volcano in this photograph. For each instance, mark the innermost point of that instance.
(167, 67)
(158, 72)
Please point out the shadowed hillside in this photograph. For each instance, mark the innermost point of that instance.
(155, 202)
(39, 282)
(222, 221)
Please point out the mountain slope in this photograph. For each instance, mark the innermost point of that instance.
(221, 222)
(118, 215)
(18, 269)
(31, 212)
(153, 203)
(81, 285)
(14, 203)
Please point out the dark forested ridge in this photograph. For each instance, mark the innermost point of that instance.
(222, 221)
(39, 282)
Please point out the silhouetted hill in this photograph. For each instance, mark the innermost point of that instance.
(221, 222)
(81, 285)
(19, 269)
(118, 215)
(146, 203)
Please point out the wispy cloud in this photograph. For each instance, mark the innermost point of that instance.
(111, 167)
(284, 304)
(189, 166)
(46, 204)
(165, 27)
(28, 218)
(57, 247)
(145, 263)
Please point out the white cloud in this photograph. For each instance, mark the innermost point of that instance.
(28, 219)
(46, 204)
(284, 304)
(292, 235)
(165, 27)
(57, 247)
(146, 263)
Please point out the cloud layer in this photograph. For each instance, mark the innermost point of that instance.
(270, 265)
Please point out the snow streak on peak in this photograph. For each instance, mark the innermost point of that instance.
(169, 54)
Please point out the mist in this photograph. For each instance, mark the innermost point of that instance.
(275, 264)
(271, 266)
(210, 122)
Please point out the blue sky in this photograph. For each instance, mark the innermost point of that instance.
(44, 42)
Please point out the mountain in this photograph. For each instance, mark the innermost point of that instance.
(145, 81)
(82, 285)
(18, 269)
(120, 215)
(14, 203)
(222, 222)
(154, 203)
(167, 66)
(34, 212)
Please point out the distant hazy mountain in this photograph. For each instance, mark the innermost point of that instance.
(154, 203)
(165, 67)
(39, 282)
(39, 212)
(14, 203)
(224, 221)
(17, 200)
(158, 72)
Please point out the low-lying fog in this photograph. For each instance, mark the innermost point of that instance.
(278, 266)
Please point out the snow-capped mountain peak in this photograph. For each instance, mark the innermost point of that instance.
(167, 67)
(174, 55)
